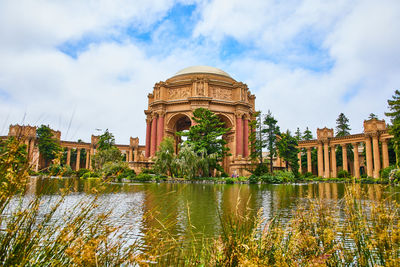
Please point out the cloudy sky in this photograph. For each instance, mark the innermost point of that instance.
(85, 65)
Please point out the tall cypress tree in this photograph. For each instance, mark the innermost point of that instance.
(307, 135)
(343, 129)
(271, 130)
(258, 142)
(298, 134)
(394, 129)
(287, 147)
(48, 146)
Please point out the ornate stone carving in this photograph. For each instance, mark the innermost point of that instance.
(221, 93)
(324, 133)
(179, 93)
(374, 125)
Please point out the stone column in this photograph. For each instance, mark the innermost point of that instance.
(385, 154)
(309, 161)
(153, 146)
(148, 137)
(320, 160)
(344, 157)
(31, 148)
(368, 151)
(356, 161)
(68, 156)
(91, 156)
(326, 158)
(87, 159)
(239, 136)
(130, 154)
(78, 159)
(160, 129)
(299, 157)
(246, 138)
(377, 157)
(333, 158)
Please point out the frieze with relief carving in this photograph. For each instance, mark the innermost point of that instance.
(179, 93)
(221, 93)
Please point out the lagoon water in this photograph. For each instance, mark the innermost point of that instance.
(185, 209)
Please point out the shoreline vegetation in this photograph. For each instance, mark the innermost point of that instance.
(37, 233)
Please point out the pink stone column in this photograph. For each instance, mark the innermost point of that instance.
(148, 137)
(78, 159)
(246, 138)
(153, 146)
(239, 136)
(160, 130)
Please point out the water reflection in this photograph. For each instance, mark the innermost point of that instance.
(189, 209)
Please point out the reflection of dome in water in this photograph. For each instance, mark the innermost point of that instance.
(202, 69)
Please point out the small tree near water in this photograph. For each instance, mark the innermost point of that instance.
(48, 146)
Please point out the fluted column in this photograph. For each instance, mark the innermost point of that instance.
(148, 137)
(344, 157)
(246, 138)
(91, 156)
(153, 146)
(333, 158)
(78, 159)
(239, 136)
(377, 157)
(309, 162)
(87, 159)
(160, 129)
(326, 158)
(356, 161)
(130, 154)
(320, 160)
(368, 151)
(68, 156)
(299, 158)
(385, 154)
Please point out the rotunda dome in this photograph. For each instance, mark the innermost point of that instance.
(202, 69)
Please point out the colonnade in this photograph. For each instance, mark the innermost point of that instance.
(326, 154)
(154, 133)
(242, 135)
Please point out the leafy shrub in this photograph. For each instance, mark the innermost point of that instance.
(90, 174)
(309, 175)
(270, 178)
(59, 170)
(385, 173)
(343, 174)
(260, 170)
(285, 176)
(394, 175)
(364, 175)
(116, 168)
(149, 171)
(253, 179)
(144, 177)
(230, 180)
(224, 174)
(81, 172)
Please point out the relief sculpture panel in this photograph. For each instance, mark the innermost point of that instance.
(179, 93)
(221, 93)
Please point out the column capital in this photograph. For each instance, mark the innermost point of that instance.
(160, 113)
(343, 145)
(239, 114)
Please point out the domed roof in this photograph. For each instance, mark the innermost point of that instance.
(202, 69)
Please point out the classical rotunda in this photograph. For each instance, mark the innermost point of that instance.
(172, 102)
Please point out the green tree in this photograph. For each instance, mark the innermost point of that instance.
(372, 116)
(342, 125)
(106, 151)
(271, 130)
(287, 148)
(307, 135)
(298, 134)
(48, 146)
(206, 136)
(188, 160)
(257, 140)
(394, 128)
(165, 157)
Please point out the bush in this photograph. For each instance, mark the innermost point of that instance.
(343, 174)
(285, 176)
(90, 174)
(59, 170)
(270, 178)
(385, 173)
(253, 179)
(116, 169)
(260, 170)
(230, 180)
(309, 175)
(81, 172)
(148, 171)
(144, 177)
(394, 176)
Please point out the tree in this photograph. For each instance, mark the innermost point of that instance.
(206, 136)
(165, 157)
(394, 129)
(307, 135)
(342, 125)
(372, 116)
(48, 146)
(106, 151)
(287, 148)
(298, 135)
(271, 130)
(343, 129)
(257, 140)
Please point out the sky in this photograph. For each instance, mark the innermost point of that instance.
(85, 66)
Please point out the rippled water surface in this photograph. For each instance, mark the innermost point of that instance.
(196, 206)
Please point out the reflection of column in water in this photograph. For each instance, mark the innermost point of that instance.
(335, 191)
(31, 186)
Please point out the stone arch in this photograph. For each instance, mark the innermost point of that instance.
(178, 122)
